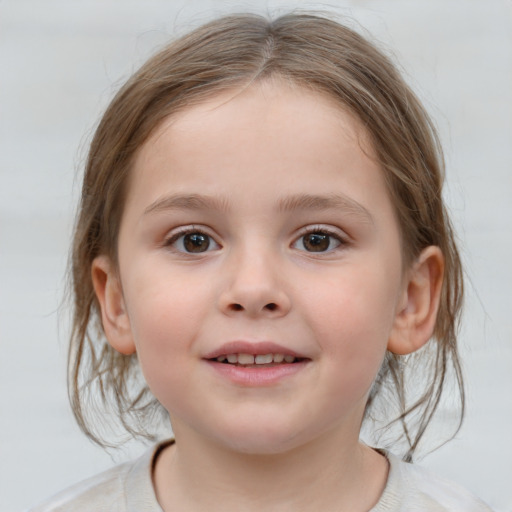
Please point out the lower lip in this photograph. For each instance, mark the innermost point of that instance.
(254, 377)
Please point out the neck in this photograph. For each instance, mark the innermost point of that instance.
(328, 474)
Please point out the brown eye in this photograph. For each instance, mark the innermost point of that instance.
(192, 242)
(196, 242)
(318, 241)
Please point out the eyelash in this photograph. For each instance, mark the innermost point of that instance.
(182, 233)
(322, 230)
(313, 230)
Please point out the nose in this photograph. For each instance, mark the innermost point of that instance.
(254, 286)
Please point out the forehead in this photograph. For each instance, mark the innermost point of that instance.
(273, 105)
(267, 125)
(273, 100)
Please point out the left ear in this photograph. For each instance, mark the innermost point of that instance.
(416, 316)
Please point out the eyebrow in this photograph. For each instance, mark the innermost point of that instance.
(187, 202)
(329, 202)
(291, 203)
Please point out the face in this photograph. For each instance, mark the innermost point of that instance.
(260, 270)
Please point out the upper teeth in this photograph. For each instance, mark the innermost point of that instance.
(259, 359)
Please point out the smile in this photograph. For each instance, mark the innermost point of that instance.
(255, 364)
(250, 360)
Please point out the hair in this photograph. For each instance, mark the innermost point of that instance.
(230, 53)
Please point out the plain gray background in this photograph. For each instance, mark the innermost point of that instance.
(60, 63)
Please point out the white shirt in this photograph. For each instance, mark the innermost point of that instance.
(129, 488)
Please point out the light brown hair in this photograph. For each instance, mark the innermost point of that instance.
(309, 51)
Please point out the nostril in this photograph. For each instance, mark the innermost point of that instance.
(271, 306)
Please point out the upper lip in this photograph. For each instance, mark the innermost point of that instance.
(254, 348)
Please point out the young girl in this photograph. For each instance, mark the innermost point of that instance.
(262, 234)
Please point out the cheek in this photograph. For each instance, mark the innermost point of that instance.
(352, 324)
(165, 320)
(360, 302)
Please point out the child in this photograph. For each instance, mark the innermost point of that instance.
(262, 232)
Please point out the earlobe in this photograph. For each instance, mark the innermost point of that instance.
(114, 317)
(417, 312)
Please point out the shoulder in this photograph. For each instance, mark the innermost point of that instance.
(124, 488)
(101, 492)
(411, 488)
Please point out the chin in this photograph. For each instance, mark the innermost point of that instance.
(262, 440)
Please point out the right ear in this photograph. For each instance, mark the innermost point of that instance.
(114, 316)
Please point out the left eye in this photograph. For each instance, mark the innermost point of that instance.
(317, 241)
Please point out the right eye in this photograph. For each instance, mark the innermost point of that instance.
(192, 242)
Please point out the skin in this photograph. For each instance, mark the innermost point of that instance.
(252, 154)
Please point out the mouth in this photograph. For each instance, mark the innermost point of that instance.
(255, 364)
(257, 360)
